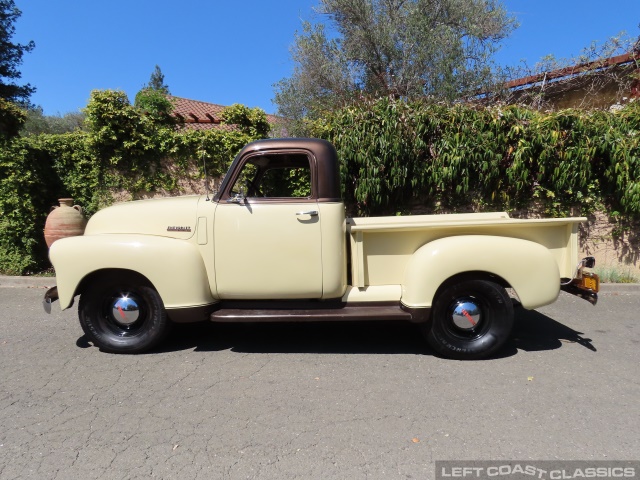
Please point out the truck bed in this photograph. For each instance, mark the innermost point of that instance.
(376, 259)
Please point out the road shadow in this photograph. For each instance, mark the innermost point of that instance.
(326, 337)
(533, 331)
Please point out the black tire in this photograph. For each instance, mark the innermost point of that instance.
(470, 320)
(123, 315)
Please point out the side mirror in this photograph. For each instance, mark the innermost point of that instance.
(238, 197)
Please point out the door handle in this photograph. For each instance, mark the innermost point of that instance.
(313, 213)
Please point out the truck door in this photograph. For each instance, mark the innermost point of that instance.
(267, 230)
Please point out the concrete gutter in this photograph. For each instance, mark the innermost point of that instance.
(27, 282)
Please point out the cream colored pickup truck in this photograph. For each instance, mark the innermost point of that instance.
(274, 245)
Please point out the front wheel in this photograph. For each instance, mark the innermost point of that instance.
(470, 320)
(123, 315)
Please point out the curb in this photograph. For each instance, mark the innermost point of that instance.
(27, 282)
(620, 288)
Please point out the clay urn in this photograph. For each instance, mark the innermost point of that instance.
(67, 220)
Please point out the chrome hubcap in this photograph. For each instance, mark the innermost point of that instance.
(466, 314)
(125, 310)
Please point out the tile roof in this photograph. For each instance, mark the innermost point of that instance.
(562, 73)
(198, 115)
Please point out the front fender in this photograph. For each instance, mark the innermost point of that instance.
(174, 267)
(528, 267)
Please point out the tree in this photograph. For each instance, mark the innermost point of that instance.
(37, 122)
(409, 49)
(153, 99)
(11, 55)
(156, 82)
(12, 119)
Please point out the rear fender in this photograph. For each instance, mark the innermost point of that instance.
(174, 267)
(528, 267)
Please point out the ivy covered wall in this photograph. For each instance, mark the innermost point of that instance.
(394, 156)
(485, 158)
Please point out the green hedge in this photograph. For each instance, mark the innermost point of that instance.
(28, 189)
(394, 154)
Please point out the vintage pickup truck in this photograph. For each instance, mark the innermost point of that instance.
(273, 244)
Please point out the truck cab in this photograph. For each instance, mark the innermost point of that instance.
(279, 223)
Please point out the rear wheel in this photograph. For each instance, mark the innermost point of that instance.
(470, 320)
(123, 315)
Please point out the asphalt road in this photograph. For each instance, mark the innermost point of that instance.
(315, 401)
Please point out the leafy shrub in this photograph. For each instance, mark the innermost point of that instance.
(28, 188)
(155, 104)
(252, 121)
(616, 274)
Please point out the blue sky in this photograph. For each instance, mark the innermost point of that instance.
(233, 52)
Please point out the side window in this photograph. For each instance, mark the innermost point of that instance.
(289, 182)
(275, 176)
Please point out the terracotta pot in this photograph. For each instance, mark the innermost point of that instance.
(66, 220)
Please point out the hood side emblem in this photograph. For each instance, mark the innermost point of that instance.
(178, 229)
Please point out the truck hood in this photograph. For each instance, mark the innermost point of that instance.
(165, 217)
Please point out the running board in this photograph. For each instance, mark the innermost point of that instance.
(336, 314)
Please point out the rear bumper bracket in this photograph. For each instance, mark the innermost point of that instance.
(49, 297)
